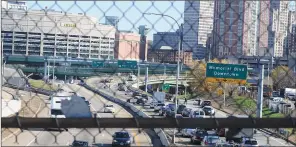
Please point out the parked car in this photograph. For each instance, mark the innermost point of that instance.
(122, 138)
(180, 109)
(210, 140)
(109, 108)
(198, 136)
(249, 142)
(77, 143)
(158, 107)
(132, 78)
(209, 110)
(206, 103)
(186, 112)
(188, 132)
(199, 113)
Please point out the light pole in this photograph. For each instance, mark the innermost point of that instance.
(178, 65)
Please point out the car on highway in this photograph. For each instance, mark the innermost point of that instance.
(162, 111)
(141, 101)
(180, 109)
(77, 143)
(158, 107)
(188, 132)
(186, 112)
(109, 109)
(196, 102)
(145, 96)
(276, 99)
(209, 110)
(122, 88)
(210, 140)
(122, 138)
(132, 78)
(206, 103)
(109, 80)
(249, 142)
(291, 96)
(132, 100)
(136, 93)
(199, 113)
(198, 136)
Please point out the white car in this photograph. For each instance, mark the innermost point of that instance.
(196, 102)
(249, 142)
(188, 132)
(209, 110)
(199, 113)
(109, 108)
(132, 100)
(157, 107)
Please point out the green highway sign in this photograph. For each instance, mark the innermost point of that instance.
(127, 64)
(97, 64)
(165, 86)
(230, 73)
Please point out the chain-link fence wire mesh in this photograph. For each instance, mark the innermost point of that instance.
(96, 35)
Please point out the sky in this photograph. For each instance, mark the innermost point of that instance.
(129, 12)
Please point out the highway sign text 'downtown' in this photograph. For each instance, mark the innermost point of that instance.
(230, 73)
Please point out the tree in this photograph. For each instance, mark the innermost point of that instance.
(198, 73)
(282, 77)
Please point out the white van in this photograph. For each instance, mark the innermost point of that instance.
(132, 78)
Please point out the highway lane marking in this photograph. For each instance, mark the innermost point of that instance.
(19, 130)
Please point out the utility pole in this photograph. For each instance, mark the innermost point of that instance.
(139, 70)
(260, 92)
(146, 79)
(53, 78)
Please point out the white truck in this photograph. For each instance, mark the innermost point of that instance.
(56, 106)
(158, 98)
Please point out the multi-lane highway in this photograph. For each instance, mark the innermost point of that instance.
(261, 137)
(93, 136)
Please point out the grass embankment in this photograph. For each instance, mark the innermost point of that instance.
(250, 104)
(42, 85)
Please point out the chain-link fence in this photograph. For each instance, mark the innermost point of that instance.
(102, 73)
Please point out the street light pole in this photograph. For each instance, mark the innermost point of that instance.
(178, 66)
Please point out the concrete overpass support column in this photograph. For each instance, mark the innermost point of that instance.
(146, 80)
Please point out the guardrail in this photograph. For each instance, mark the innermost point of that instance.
(127, 105)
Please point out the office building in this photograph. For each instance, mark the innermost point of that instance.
(128, 46)
(112, 20)
(278, 20)
(291, 41)
(245, 31)
(198, 23)
(170, 39)
(169, 56)
(75, 35)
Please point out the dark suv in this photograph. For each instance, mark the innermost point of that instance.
(198, 136)
(122, 138)
(77, 143)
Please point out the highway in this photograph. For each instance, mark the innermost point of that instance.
(262, 138)
(93, 136)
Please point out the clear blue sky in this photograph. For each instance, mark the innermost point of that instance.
(130, 13)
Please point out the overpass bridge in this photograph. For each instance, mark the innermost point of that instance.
(84, 67)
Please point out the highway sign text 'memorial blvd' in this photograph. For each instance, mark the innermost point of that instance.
(230, 73)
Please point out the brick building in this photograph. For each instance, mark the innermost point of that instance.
(169, 56)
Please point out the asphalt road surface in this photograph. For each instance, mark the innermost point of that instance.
(262, 137)
(93, 136)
